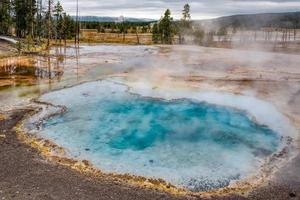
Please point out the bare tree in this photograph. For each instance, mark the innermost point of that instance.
(137, 34)
(77, 27)
(49, 24)
(39, 19)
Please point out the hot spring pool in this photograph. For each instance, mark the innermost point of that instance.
(195, 145)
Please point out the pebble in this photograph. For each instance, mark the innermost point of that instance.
(292, 194)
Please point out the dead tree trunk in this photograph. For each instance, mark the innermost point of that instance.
(77, 25)
(49, 24)
(137, 36)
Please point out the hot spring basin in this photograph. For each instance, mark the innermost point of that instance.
(191, 144)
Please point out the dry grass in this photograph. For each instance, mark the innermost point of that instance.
(24, 61)
(94, 37)
(2, 117)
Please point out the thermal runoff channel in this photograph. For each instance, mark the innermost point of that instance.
(195, 145)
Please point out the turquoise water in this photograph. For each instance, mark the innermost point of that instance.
(194, 145)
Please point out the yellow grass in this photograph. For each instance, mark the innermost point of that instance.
(130, 38)
(2, 117)
(25, 61)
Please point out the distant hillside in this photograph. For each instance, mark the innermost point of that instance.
(112, 19)
(248, 21)
(255, 21)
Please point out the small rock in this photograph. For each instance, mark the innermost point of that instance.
(86, 162)
(151, 161)
(292, 194)
(87, 149)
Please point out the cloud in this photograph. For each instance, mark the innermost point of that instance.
(199, 8)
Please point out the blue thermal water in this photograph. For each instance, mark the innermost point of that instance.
(194, 145)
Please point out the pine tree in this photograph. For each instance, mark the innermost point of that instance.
(49, 22)
(155, 34)
(20, 8)
(39, 20)
(186, 12)
(31, 10)
(185, 23)
(5, 17)
(68, 27)
(25, 17)
(58, 12)
(166, 28)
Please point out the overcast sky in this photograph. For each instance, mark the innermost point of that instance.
(200, 9)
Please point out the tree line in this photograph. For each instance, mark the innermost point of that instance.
(113, 27)
(36, 20)
(205, 32)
